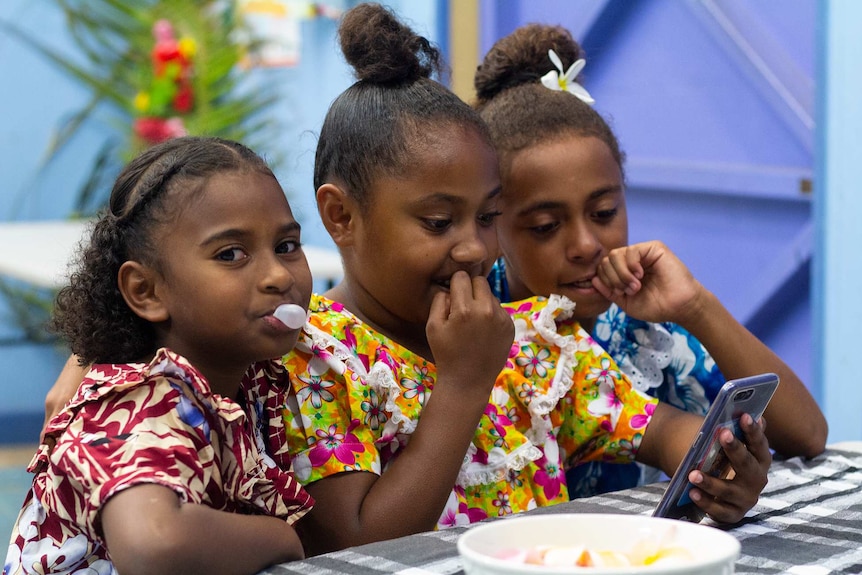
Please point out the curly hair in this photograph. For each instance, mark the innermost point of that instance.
(90, 313)
(519, 111)
(375, 126)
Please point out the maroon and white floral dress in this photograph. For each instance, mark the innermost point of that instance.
(157, 423)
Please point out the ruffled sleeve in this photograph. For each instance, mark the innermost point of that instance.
(267, 482)
(573, 393)
(334, 420)
(140, 426)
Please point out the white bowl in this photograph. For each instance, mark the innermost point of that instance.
(713, 551)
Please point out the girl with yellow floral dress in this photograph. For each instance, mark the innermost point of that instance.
(419, 401)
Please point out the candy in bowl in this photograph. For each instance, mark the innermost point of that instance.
(596, 544)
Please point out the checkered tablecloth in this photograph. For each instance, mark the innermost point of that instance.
(808, 522)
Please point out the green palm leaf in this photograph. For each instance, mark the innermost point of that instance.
(114, 41)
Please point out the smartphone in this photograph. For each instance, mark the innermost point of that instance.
(736, 397)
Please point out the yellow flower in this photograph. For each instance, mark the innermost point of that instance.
(187, 47)
(142, 101)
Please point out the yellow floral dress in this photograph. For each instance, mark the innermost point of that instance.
(560, 400)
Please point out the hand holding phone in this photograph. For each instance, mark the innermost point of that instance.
(746, 395)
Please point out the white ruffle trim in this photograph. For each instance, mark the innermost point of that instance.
(545, 324)
(379, 377)
(383, 382)
(324, 340)
(498, 466)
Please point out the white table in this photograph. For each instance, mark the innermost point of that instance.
(39, 252)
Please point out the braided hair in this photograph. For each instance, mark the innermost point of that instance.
(519, 110)
(375, 126)
(90, 313)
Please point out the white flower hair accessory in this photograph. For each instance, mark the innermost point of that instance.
(565, 81)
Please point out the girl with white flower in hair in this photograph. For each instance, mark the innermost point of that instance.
(564, 231)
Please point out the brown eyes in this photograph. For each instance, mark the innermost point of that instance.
(288, 247)
(235, 254)
(606, 214)
(487, 219)
(231, 255)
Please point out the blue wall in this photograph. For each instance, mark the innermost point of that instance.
(741, 123)
(35, 97)
(712, 101)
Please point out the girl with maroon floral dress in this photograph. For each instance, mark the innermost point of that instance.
(163, 462)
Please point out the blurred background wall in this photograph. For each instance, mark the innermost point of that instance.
(715, 103)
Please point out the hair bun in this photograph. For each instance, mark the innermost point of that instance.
(522, 58)
(382, 49)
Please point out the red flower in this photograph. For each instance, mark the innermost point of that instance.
(156, 130)
(165, 53)
(184, 99)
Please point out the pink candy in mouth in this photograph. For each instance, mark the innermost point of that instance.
(291, 315)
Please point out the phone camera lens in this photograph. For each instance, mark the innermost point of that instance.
(743, 395)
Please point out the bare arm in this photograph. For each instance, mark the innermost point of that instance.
(667, 439)
(167, 536)
(470, 335)
(63, 389)
(649, 282)
(796, 424)
(356, 508)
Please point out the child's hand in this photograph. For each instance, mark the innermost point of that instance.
(727, 500)
(470, 334)
(649, 282)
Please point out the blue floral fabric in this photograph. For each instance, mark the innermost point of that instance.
(661, 359)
